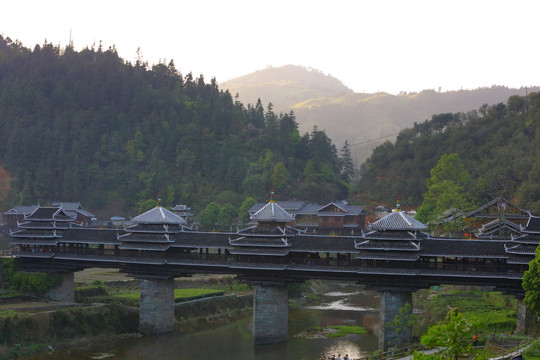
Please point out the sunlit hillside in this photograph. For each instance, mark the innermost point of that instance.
(364, 120)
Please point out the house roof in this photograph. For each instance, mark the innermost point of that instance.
(533, 225)
(301, 208)
(49, 213)
(68, 205)
(290, 206)
(21, 210)
(159, 215)
(397, 220)
(501, 203)
(181, 208)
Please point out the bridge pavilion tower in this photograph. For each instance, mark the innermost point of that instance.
(151, 235)
(396, 237)
(270, 300)
(38, 236)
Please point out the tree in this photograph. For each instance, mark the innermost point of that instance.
(346, 163)
(243, 214)
(227, 214)
(280, 177)
(531, 284)
(209, 216)
(449, 167)
(452, 336)
(446, 192)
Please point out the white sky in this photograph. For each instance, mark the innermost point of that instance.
(375, 45)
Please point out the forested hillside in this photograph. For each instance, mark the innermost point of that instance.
(499, 146)
(362, 119)
(88, 126)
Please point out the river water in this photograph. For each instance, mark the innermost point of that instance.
(342, 304)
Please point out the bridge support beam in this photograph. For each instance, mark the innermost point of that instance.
(156, 309)
(524, 318)
(66, 291)
(270, 314)
(391, 304)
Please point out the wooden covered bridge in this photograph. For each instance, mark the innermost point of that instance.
(395, 257)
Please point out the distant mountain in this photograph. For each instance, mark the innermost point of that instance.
(285, 86)
(364, 120)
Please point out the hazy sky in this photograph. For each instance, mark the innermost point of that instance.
(392, 45)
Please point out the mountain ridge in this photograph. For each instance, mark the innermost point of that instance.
(357, 118)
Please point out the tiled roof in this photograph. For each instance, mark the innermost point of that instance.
(159, 215)
(501, 202)
(533, 225)
(463, 248)
(292, 206)
(49, 213)
(105, 236)
(21, 210)
(68, 205)
(272, 212)
(397, 220)
(181, 208)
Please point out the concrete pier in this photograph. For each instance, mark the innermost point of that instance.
(391, 335)
(66, 291)
(270, 314)
(524, 318)
(156, 309)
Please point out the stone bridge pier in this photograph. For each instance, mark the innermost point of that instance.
(64, 293)
(270, 313)
(395, 333)
(156, 308)
(525, 318)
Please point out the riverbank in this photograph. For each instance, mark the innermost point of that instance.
(31, 325)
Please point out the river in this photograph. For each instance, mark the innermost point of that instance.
(341, 304)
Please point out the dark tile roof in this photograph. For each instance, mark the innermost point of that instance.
(314, 243)
(463, 248)
(35, 233)
(502, 203)
(93, 235)
(21, 210)
(49, 213)
(525, 249)
(533, 225)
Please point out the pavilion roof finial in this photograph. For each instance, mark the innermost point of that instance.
(398, 205)
(272, 196)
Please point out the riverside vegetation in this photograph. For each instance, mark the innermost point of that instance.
(104, 310)
(107, 309)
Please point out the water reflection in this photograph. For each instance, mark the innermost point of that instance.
(233, 341)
